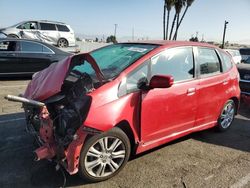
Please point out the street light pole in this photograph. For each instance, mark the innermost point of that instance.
(224, 33)
(115, 30)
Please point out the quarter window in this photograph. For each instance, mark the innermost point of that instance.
(226, 62)
(208, 61)
(177, 62)
(48, 26)
(62, 28)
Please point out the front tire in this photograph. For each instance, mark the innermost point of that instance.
(227, 116)
(104, 155)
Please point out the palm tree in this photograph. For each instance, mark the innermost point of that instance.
(189, 3)
(169, 4)
(172, 27)
(178, 6)
(164, 20)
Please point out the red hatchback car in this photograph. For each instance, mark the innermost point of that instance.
(90, 112)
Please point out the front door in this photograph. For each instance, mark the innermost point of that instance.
(169, 111)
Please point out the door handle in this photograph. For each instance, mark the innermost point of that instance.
(191, 91)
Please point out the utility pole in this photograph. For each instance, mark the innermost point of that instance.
(224, 33)
(115, 30)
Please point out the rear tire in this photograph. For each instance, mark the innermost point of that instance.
(62, 43)
(227, 116)
(104, 155)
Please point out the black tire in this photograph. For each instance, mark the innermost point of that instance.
(13, 36)
(105, 161)
(226, 116)
(62, 43)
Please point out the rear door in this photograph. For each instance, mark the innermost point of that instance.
(34, 56)
(212, 86)
(9, 57)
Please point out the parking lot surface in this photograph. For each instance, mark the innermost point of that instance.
(203, 159)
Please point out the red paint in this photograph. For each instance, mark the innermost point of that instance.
(165, 112)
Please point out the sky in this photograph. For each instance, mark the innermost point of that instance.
(144, 17)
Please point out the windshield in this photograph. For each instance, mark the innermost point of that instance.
(113, 59)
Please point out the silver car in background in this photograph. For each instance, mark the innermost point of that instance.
(56, 33)
(235, 54)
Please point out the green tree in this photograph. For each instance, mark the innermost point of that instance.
(111, 38)
(188, 4)
(78, 39)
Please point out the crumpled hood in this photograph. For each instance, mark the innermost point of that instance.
(48, 82)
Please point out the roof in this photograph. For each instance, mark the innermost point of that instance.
(173, 43)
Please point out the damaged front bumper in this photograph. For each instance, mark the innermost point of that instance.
(64, 151)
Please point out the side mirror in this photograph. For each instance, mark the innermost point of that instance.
(161, 81)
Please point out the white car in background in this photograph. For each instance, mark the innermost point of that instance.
(56, 33)
(235, 54)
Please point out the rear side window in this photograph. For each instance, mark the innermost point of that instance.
(226, 61)
(62, 28)
(177, 62)
(31, 47)
(208, 61)
(48, 26)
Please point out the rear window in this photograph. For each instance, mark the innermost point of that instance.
(245, 51)
(48, 26)
(208, 61)
(62, 28)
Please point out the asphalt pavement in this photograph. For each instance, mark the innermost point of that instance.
(203, 159)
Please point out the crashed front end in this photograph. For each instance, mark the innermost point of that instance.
(56, 103)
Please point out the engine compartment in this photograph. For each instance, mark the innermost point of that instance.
(66, 110)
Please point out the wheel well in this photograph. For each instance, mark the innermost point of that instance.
(14, 35)
(236, 102)
(125, 127)
(62, 38)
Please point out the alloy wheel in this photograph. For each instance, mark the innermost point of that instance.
(62, 43)
(105, 156)
(227, 115)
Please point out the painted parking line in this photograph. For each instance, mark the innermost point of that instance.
(242, 182)
(13, 86)
(11, 120)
